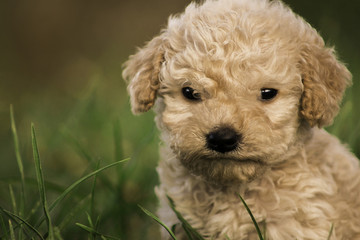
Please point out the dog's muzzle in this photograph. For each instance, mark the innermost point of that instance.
(223, 140)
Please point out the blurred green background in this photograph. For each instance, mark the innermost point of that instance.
(60, 67)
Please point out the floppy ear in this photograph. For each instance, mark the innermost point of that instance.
(325, 80)
(142, 73)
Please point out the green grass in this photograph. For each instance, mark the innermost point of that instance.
(19, 161)
(41, 184)
(28, 227)
(256, 225)
(153, 216)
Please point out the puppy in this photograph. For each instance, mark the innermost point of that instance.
(242, 89)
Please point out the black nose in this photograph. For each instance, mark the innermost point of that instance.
(223, 140)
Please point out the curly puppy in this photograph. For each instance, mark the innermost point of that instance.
(242, 89)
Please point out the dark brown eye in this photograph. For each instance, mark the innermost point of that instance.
(191, 94)
(268, 93)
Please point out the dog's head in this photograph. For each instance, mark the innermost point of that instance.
(235, 81)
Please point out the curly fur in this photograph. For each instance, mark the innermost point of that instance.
(297, 179)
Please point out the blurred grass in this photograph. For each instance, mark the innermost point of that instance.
(60, 68)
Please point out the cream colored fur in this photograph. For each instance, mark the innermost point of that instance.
(297, 179)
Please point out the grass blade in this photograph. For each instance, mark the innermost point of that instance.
(12, 234)
(93, 231)
(86, 228)
(264, 230)
(89, 220)
(97, 222)
(12, 196)
(252, 218)
(187, 227)
(19, 161)
(331, 231)
(92, 235)
(187, 232)
(4, 229)
(57, 233)
(92, 202)
(158, 221)
(76, 210)
(84, 154)
(40, 180)
(33, 209)
(23, 221)
(75, 184)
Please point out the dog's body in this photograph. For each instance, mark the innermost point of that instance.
(242, 87)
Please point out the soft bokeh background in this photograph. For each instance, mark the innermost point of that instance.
(60, 67)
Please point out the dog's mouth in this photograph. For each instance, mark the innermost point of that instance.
(237, 160)
(224, 170)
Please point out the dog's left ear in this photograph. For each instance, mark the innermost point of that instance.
(142, 74)
(325, 80)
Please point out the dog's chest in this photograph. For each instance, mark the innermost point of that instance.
(278, 206)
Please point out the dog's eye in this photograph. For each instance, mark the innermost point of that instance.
(268, 93)
(191, 94)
